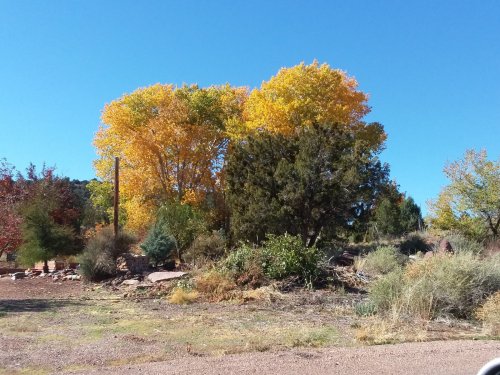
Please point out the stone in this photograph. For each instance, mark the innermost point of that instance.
(163, 276)
(130, 282)
(445, 247)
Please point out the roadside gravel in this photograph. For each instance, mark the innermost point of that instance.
(427, 358)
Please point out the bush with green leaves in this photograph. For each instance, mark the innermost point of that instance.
(287, 256)
(278, 258)
(440, 285)
(159, 245)
(183, 222)
(98, 260)
(383, 260)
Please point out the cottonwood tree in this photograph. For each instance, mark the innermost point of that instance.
(471, 202)
(171, 142)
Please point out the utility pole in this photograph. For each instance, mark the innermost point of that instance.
(117, 197)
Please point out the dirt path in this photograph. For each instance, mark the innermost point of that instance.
(432, 358)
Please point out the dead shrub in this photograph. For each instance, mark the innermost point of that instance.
(489, 314)
(217, 286)
(181, 296)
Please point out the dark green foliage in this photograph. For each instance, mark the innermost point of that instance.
(320, 180)
(410, 216)
(98, 260)
(387, 218)
(395, 215)
(206, 247)
(414, 243)
(43, 238)
(51, 216)
(159, 245)
(287, 256)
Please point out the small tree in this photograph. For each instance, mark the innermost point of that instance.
(159, 245)
(43, 238)
(471, 202)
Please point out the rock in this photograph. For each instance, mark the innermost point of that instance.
(131, 282)
(445, 247)
(162, 276)
(18, 275)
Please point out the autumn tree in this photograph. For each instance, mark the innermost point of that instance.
(51, 216)
(171, 142)
(307, 95)
(471, 202)
(315, 182)
(10, 220)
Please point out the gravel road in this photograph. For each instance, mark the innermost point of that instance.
(429, 358)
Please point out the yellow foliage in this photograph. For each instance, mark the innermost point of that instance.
(305, 95)
(171, 142)
(181, 296)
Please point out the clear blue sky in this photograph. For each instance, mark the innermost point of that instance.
(432, 69)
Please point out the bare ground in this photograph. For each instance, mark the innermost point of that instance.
(68, 327)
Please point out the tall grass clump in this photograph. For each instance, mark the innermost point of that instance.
(383, 260)
(489, 314)
(460, 243)
(98, 260)
(442, 285)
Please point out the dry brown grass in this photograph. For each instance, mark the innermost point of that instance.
(376, 331)
(216, 287)
(489, 314)
(181, 296)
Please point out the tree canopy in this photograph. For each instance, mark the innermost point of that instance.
(471, 202)
(318, 181)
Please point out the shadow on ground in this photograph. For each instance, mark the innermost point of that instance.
(33, 305)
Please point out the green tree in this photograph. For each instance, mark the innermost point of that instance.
(410, 216)
(387, 218)
(159, 245)
(471, 202)
(43, 238)
(182, 221)
(316, 182)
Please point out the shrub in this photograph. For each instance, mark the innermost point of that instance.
(285, 256)
(216, 286)
(183, 222)
(159, 245)
(206, 247)
(278, 258)
(382, 261)
(441, 285)
(413, 243)
(489, 314)
(98, 260)
(460, 243)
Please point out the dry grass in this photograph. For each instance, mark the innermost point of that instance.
(375, 331)
(182, 296)
(489, 314)
(217, 286)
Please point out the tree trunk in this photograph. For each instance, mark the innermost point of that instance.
(45, 266)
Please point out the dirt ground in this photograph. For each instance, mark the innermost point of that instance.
(70, 327)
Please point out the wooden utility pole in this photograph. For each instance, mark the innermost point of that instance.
(117, 196)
